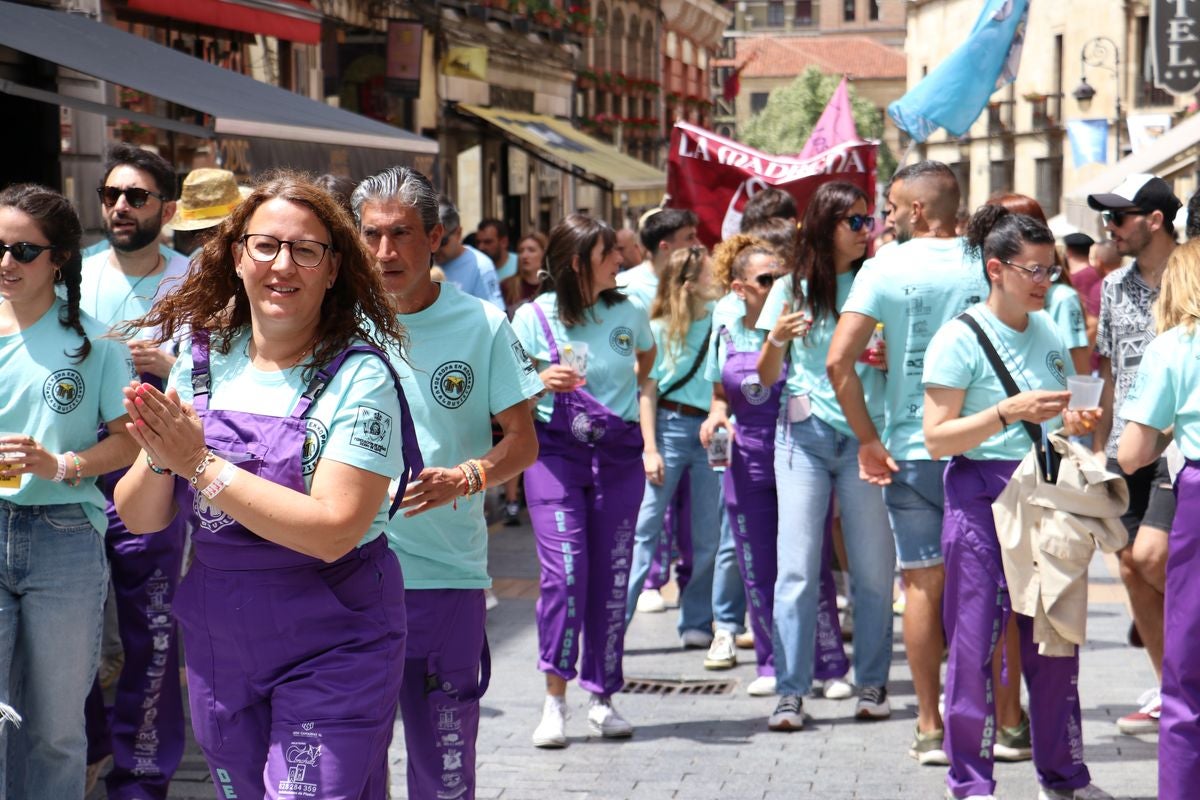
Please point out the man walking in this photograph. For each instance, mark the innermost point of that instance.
(464, 266)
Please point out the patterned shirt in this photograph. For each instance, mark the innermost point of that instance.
(1126, 327)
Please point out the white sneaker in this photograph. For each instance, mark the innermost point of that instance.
(836, 689)
(551, 732)
(721, 654)
(694, 639)
(788, 714)
(603, 719)
(1089, 792)
(762, 686)
(651, 601)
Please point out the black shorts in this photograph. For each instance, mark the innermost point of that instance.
(1151, 497)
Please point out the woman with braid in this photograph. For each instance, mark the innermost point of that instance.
(59, 379)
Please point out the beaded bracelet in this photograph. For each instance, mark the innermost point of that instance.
(157, 470)
(60, 471)
(78, 468)
(479, 468)
(472, 476)
(209, 457)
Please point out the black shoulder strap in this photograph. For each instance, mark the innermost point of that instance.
(700, 356)
(1047, 460)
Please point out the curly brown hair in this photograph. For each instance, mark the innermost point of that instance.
(726, 254)
(212, 298)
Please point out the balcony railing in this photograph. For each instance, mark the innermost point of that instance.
(1000, 117)
(1046, 111)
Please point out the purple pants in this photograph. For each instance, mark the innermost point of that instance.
(439, 700)
(1179, 727)
(144, 729)
(975, 610)
(584, 506)
(675, 543)
(753, 512)
(294, 674)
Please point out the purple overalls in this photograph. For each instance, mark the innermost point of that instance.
(975, 611)
(1179, 726)
(294, 665)
(676, 542)
(144, 728)
(754, 514)
(583, 493)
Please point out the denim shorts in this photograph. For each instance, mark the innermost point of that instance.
(914, 502)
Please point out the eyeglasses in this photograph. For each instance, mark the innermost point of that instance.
(859, 221)
(265, 248)
(24, 252)
(109, 195)
(1038, 273)
(765, 279)
(1116, 218)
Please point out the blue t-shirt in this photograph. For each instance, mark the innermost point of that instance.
(614, 335)
(1166, 390)
(1064, 307)
(474, 273)
(672, 363)
(1035, 358)
(913, 289)
(807, 373)
(362, 393)
(463, 365)
(640, 284)
(60, 403)
(509, 269)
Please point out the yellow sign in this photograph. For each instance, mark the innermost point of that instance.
(466, 62)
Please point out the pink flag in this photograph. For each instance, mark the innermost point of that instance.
(835, 126)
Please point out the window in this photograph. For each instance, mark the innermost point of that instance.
(849, 9)
(1000, 177)
(804, 13)
(775, 14)
(758, 101)
(1049, 183)
(1145, 92)
(873, 13)
(962, 173)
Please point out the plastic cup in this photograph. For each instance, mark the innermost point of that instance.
(575, 355)
(1085, 391)
(11, 459)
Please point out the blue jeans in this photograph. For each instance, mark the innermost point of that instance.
(813, 459)
(53, 579)
(678, 439)
(729, 592)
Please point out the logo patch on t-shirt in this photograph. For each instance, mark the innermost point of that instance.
(452, 383)
(63, 391)
(315, 436)
(522, 357)
(372, 431)
(621, 340)
(755, 393)
(1057, 367)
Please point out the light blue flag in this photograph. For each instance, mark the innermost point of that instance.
(954, 94)
(1089, 141)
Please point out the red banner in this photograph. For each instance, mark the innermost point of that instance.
(714, 176)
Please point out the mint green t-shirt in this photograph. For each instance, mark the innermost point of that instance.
(362, 392)
(1035, 358)
(744, 340)
(671, 364)
(463, 365)
(1166, 390)
(113, 297)
(640, 284)
(913, 289)
(1064, 307)
(727, 309)
(60, 403)
(614, 335)
(807, 357)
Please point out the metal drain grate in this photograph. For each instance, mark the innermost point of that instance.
(665, 686)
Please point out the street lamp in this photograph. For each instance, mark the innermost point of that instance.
(1098, 52)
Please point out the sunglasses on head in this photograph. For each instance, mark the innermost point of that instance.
(109, 195)
(1116, 218)
(24, 252)
(859, 221)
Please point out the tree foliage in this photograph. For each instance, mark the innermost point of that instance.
(791, 112)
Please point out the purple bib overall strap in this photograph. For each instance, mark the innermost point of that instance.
(272, 448)
(578, 417)
(749, 401)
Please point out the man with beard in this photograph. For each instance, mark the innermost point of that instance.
(144, 731)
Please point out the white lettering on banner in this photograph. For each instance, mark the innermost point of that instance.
(701, 151)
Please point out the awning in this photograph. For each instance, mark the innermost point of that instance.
(589, 159)
(1166, 156)
(238, 105)
(293, 20)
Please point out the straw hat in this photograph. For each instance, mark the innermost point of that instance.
(208, 196)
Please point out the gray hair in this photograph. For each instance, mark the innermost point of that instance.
(448, 213)
(402, 184)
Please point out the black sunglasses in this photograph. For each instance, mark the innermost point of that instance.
(109, 195)
(765, 279)
(1116, 218)
(859, 221)
(24, 252)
